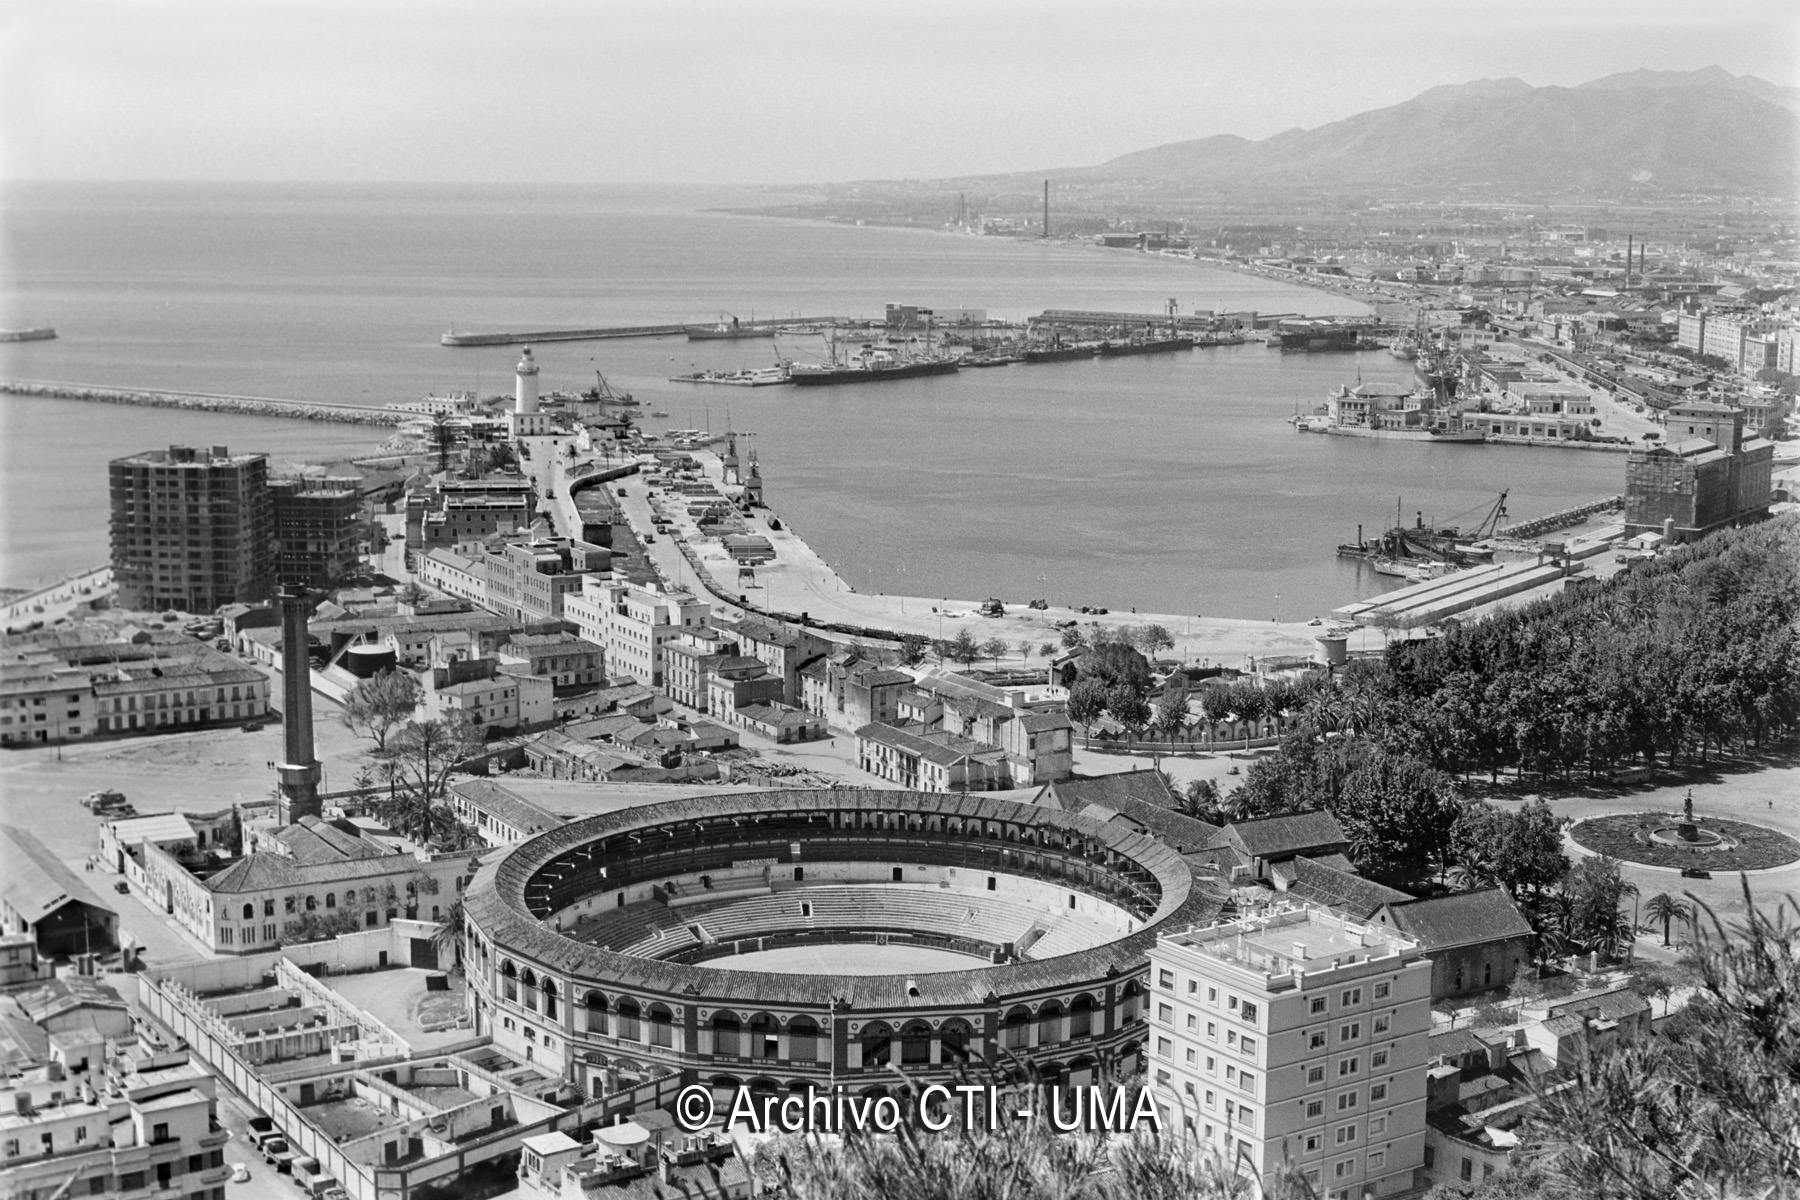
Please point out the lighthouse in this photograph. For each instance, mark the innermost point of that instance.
(527, 421)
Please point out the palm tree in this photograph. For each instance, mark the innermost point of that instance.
(1665, 908)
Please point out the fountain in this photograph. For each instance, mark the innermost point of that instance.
(1687, 832)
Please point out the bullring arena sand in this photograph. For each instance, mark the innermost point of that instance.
(850, 958)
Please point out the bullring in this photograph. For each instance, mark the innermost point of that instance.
(592, 949)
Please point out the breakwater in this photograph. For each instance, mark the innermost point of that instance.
(1561, 520)
(256, 406)
(454, 338)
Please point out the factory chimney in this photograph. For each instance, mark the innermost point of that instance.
(1628, 260)
(1046, 208)
(299, 772)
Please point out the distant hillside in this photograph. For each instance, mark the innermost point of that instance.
(1705, 131)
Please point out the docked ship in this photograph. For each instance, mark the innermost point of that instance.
(1146, 345)
(1424, 552)
(40, 333)
(755, 377)
(1316, 335)
(991, 358)
(729, 329)
(872, 364)
(1050, 354)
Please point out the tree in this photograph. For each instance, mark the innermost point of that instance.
(1047, 650)
(994, 648)
(1128, 707)
(315, 926)
(1024, 650)
(378, 705)
(1595, 890)
(1148, 639)
(963, 648)
(413, 594)
(1072, 637)
(1712, 1109)
(1398, 812)
(1171, 716)
(1087, 700)
(1200, 799)
(448, 937)
(1665, 908)
(425, 752)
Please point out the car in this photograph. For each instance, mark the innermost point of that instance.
(649, 539)
(123, 888)
(240, 1173)
(1695, 873)
(252, 726)
(1316, 621)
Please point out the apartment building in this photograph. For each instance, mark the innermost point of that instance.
(318, 528)
(192, 528)
(634, 622)
(1299, 1037)
(528, 579)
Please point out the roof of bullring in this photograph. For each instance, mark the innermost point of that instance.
(495, 904)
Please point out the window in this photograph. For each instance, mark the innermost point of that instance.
(1349, 1066)
(1312, 1181)
(1312, 1142)
(1249, 1011)
(1315, 1108)
(1430, 1157)
(1346, 1100)
(159, 1133)
(1230, 1073)
(1212, 1031)
(1350, 1032)
(1212, 1065)
(1247, 1081)
(1382, 1025)
(1346, 1134)
(1468, 1170)
(268, 908)
(12, 1147)
(1316, 1040)
(1212, 996)
(1231, 1037)
(1315, 1074)
(81, 1132)
(1378, 1059)
(1193, 1022)
(1165, 1013)
(1193, 987)
(1344, 1167)
(1166, 979)
(1378, 1092)
(1381, 991)
(1192, 1056)
(1377, 1125)
(1164, 1047)
(1231, 1002)
(1377, 1159)
(1318, 1004)
(1212, 1099)
(1248, 1046)
(1353, 996)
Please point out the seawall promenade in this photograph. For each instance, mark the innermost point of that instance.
(259, 406)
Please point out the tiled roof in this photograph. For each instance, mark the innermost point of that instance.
(1459, 918)
(1041, 722)
(939, 748)
(506, 806)
(1289, 833)
(1613, 1004)
(64, 995)
(266, 872)
(779, 715)
(1454, 1043)
(1340, 889)
(883, 677)
(1141, 797)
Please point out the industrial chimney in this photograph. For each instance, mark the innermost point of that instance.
(299, 772)
(1046, 208)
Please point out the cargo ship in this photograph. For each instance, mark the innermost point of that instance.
(872, 365)
(729, 329)
(40, 333)
(1161, 345)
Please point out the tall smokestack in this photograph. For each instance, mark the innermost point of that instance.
(1628, 260)
(300, 771)
(1046, 208)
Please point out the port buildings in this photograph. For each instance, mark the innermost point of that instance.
(1709, 475)
(633, 622)
(1295, 1037)
(524, 577)
(88, 1108)
(44, 900)
(462, 510)
(196, 528)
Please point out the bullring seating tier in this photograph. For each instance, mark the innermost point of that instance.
(652, 931)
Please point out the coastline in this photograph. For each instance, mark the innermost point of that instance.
(800, 584)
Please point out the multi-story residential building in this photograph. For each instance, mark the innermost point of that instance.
(192, 529)
(1036, 736)
(738, 681)
(81, 689)
(528, 579)
(634, 622)
(851, 690)
(474, 687)
(462, 510)
(689, 658)
(1691, 331)
(570, 663)
(459, 571)
(318, 528)
(82, 1121)
(1295, 1038)
(928, 760)
(784, 648)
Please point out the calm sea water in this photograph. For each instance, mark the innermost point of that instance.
(1170, 483)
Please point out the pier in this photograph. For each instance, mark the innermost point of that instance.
(600, 333)
(257, 406)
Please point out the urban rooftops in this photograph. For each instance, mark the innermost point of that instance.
(1290, 941)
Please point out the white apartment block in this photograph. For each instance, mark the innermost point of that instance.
(1296, 1038)
(633, 622)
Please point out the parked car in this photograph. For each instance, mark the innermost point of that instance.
(1695, 873)
(123, 888)
(240, 1173)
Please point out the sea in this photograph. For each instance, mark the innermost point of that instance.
(1165, 483)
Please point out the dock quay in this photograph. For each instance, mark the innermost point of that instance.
(260, 406)
(1560, 520)
(1422, 604)
(600, 333)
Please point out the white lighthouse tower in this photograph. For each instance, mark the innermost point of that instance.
(527, 421)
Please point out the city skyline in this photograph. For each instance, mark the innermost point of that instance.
(767, 93)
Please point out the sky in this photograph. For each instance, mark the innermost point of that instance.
(769, 91)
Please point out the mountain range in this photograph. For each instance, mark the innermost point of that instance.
(1706, 131)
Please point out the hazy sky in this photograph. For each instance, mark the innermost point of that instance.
(775, 91)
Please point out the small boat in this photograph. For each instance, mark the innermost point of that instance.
(41, 333)
(659, 413)
(991, 358)
(729, 329)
